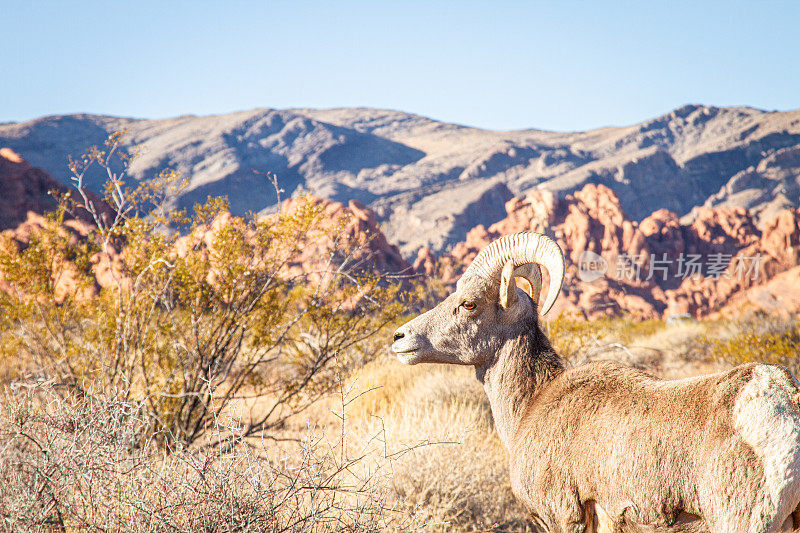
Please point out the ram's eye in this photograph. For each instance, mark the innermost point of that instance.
(469, 306)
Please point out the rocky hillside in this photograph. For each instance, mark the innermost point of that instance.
(428, 182)
(655, 267)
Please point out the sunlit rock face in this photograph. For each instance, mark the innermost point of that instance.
(646, 264)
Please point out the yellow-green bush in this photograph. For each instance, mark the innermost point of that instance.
(184, 327)
(757, 340)
(571, 335)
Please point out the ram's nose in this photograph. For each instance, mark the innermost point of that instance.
(403, 340)
(407, 345)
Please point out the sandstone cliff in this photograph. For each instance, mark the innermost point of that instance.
(656, 267)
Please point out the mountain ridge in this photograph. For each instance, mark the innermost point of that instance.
(430, 182)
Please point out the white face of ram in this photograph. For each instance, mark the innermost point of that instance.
(467, 328)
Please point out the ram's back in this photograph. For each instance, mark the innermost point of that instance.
(647, 449)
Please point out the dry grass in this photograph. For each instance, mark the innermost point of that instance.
(457, 482)
(757, 338)
(397, 448)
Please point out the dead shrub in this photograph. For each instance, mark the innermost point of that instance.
(77, 463)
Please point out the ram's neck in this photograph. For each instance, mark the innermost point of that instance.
(513, 379)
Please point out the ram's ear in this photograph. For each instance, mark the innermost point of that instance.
(508, 288)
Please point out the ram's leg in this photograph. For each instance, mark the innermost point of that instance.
(690, 523)
(605, 524)
(597, 519)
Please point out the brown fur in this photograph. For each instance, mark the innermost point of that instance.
(652, 454)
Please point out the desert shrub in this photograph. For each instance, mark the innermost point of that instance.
(756, 339)
(574, 336)
(185, 325)
(427, 460)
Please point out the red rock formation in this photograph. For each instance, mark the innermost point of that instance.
(753, 257)
(23, 189)
(723, 230)
(425, 263)
(354, 225)
(779, 296)
(383, 256)
(647, 263)
(360, 230)
(663, 232)
(589, 220)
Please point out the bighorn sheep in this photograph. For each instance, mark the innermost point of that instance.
(604, 445)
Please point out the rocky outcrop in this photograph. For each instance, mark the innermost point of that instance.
(24, 189)
(359, 232)
(780, 296)
(651, 268)
(425, 263)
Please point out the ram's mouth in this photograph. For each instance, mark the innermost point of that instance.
(405, 345)
(405, 351)
(407, 355)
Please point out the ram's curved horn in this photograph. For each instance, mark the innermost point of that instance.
(521, 249)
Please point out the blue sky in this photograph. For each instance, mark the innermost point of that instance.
(500, 65)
